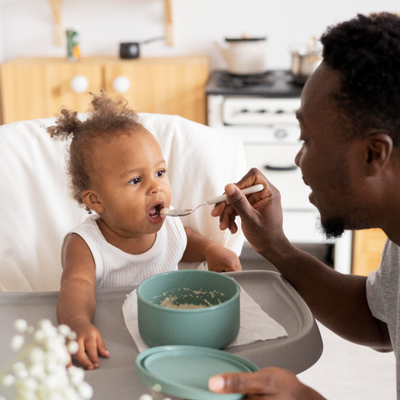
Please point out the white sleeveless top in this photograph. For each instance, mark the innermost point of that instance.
(115, 268)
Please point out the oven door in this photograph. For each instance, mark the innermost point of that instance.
(276, 162)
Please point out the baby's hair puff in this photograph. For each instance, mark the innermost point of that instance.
(108, 117)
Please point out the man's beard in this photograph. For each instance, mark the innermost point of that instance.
(333, 228)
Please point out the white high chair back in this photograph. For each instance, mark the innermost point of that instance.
(36, 209)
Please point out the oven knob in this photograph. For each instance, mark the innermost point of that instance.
(244, 111)
(280, 133)
(262, 111)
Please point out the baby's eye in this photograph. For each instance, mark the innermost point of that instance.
(134, 181)
(160, 173)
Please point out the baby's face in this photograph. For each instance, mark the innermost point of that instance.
(130, 178)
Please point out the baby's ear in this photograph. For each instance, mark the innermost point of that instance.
(91, 200)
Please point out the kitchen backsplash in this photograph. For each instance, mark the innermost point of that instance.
(27, 26)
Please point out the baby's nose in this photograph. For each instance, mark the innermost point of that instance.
(155, 188)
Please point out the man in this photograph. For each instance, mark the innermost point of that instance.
(350, 157)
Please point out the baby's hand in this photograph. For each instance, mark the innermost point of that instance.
(221, 259)
(91, 344)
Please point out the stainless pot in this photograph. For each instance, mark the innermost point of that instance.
(305, 60)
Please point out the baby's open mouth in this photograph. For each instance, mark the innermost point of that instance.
(155, 210)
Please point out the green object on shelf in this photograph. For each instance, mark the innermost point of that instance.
(73, 48)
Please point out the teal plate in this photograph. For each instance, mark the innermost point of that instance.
(184, 371)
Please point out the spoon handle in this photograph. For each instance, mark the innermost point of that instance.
(249, 190)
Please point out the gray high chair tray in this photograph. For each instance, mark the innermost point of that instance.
(303, 345)
(117, 378)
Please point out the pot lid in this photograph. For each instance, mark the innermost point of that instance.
(245, 39)
(184, 371)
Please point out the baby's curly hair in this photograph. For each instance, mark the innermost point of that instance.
(108, 117)
(366, 52)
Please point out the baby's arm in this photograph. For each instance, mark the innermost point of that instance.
(218, 257)
(76, 303)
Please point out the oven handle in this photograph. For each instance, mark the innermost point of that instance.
(273, 168)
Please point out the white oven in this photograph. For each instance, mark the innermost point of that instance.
(270, 133)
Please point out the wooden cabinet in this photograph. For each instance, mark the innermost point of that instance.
(39, 87)
(165, 86)
(367, 250)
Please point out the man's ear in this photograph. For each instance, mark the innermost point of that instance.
(91, 200)
(379, 151)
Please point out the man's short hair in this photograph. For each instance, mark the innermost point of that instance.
(366, 52)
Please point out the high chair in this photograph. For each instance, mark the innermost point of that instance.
(36, 209)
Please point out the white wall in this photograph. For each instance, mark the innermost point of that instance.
(26, 26)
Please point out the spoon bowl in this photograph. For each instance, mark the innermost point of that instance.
(166, 212)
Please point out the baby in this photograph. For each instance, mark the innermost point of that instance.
(118, 171)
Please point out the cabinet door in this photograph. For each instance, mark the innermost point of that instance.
(367, 250)
(173, 86)
(38, 89)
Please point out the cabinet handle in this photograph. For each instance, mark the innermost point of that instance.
(79, 83)
(273, 168)
(121, 84)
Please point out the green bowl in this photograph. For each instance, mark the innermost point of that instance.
(215, 326)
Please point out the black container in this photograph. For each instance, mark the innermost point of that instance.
(129, 50)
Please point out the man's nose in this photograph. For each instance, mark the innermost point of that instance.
(297, 157)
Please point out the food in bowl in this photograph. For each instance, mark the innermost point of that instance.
(189, 307)
(187, 298)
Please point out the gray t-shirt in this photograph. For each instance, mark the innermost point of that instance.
(383, 297)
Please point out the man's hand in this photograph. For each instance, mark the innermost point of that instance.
(221, 259)
(260, 213)
(266, 384)
(91, 344)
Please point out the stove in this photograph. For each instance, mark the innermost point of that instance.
(255, 107)
(273, 84)
(261, 110)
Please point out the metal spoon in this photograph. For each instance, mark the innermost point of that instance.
(182, 213)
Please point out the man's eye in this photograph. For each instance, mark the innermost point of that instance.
(134, 181)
